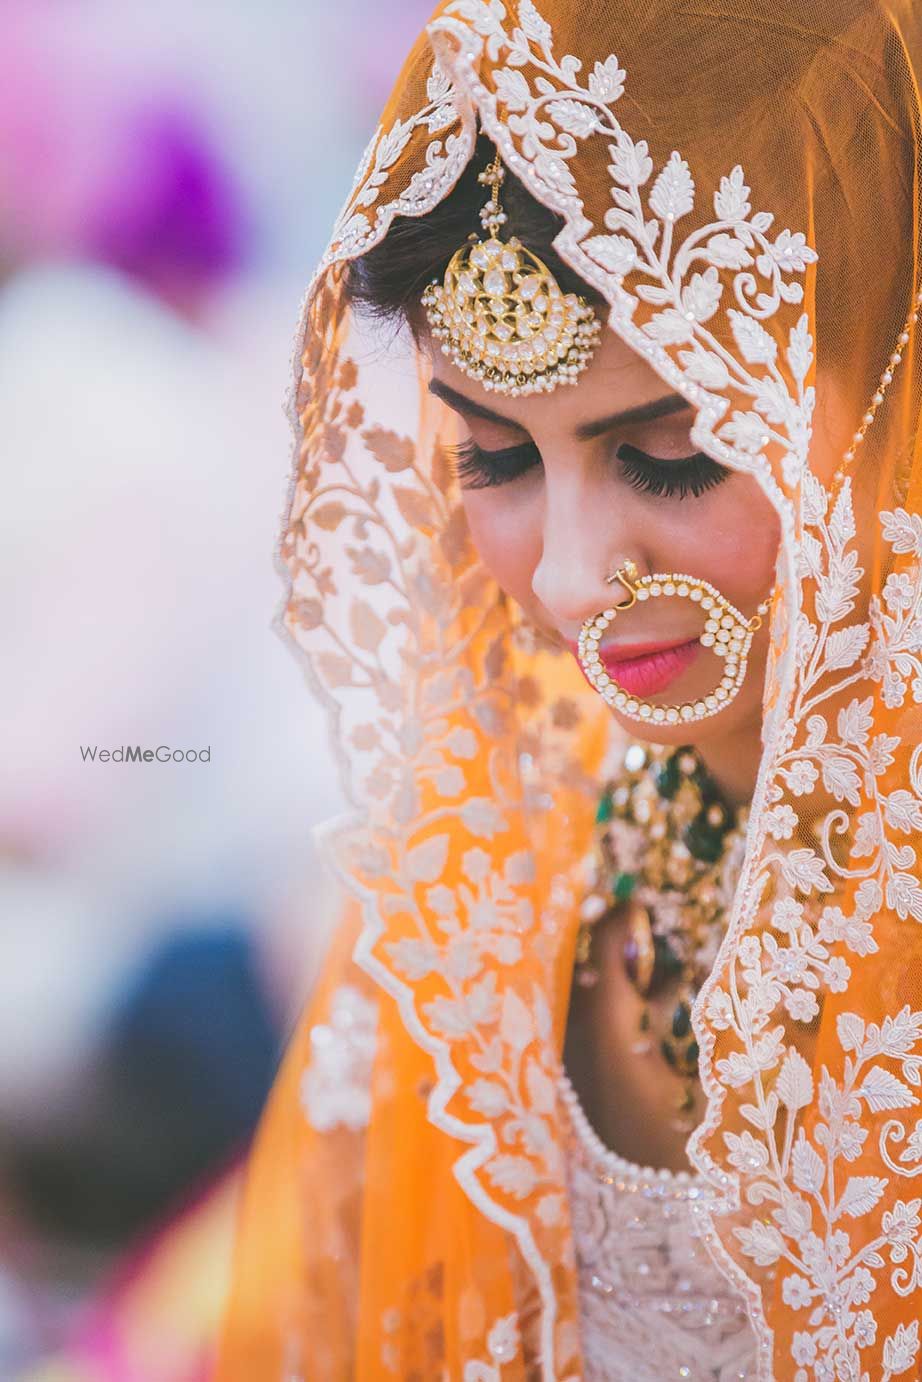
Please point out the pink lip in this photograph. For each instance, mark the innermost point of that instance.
(643, 669)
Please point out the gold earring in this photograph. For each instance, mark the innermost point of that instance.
(501, 315)
(727, 632)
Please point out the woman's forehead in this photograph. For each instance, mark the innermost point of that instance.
(617, 386)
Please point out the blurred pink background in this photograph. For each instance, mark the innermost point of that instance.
(168, 177)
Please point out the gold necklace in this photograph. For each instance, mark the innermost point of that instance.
(665, 861)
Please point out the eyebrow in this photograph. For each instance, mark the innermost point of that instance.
(586, 431)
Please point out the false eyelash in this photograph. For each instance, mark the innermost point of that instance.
(670, 479)
(692, 475)
(478, 469)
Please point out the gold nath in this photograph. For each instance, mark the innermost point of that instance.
(727, 633)
(502, 317)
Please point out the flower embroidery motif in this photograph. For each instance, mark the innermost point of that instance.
(354, 231)
(814, 1200)
(336, 1085)
(502, 1346)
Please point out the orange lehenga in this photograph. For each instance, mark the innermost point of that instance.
(741, 181)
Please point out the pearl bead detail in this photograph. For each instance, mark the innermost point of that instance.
(726, 632)
(877, 399)
(500, 315)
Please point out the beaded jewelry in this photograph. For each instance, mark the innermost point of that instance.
(877, 399)
(727, 633)
(665, 861)
(500, 314)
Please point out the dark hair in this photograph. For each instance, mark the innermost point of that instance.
(387, 281)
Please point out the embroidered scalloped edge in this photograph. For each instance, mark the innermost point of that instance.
(483, 1136)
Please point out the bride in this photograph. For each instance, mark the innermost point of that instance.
(601, 552)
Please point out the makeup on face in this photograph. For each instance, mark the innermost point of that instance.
(665, 477)
(557, 489)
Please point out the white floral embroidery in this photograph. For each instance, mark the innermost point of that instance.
(354, 231)
(830, 1275)
(502, 1346)
(336, 1085)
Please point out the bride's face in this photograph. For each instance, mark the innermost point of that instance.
(561, 488)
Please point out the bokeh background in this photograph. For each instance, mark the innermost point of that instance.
(168, 177)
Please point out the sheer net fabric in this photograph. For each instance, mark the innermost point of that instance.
(741, 183)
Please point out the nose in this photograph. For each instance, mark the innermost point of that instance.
(583, 543)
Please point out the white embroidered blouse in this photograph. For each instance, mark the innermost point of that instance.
(653, 1306)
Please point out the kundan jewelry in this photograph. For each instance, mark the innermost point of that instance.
(727, 632)
(665, 863)
(500, 314)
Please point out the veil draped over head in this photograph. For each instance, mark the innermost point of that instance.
(741, 182)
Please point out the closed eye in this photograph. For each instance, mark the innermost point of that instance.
(479, 469)
(670, 479)
(689, 475)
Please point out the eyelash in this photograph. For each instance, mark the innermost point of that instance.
(478, 469)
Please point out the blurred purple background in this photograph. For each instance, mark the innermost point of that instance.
(168, 177)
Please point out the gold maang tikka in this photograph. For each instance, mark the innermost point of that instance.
(502, 317)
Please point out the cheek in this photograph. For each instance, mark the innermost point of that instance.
(507, 535)
(737, 542)
(730, 536)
